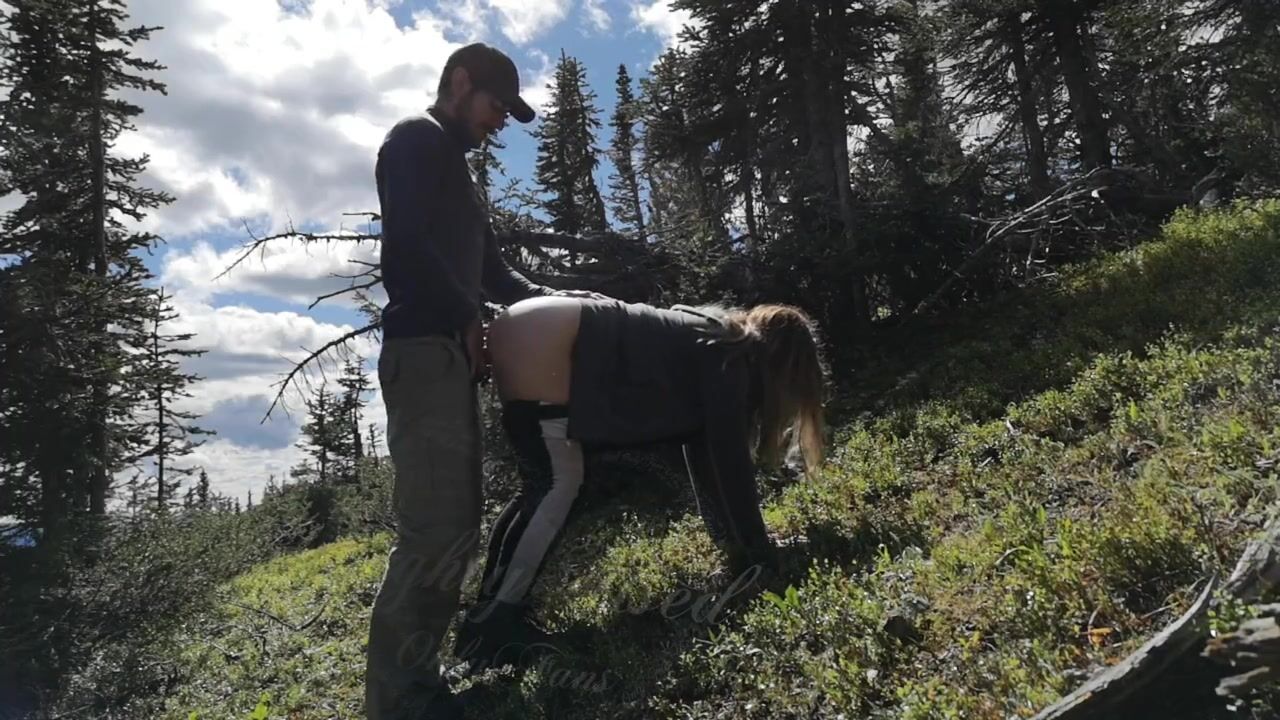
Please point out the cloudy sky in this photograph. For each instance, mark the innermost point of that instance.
(273, 117)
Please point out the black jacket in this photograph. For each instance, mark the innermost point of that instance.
(438, 248)
(643, 374)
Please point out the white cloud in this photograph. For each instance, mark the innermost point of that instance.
(523, 21)
(275, 113)
(596, 16)
(245, 346)
(659, 18)
(248, 353)
(235, 470)
(537, 92)
(466, 18)
(278, 113)
(10, 202)
(520, 21)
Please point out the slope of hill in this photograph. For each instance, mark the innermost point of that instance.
(1016, 498)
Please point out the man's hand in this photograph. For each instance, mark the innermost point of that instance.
(474, 339)
(580, 294)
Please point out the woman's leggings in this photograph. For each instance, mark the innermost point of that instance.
(550, 467)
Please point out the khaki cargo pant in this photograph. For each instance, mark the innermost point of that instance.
(433, 433)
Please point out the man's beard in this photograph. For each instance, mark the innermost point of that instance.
(465, 117)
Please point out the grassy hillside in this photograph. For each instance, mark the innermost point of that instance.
(1016, 497)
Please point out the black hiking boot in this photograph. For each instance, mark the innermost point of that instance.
(498, 634)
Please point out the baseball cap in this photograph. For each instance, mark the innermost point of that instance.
(490, 69)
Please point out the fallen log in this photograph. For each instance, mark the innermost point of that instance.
(1253, 648)
(1257, 645)
(1102, 695)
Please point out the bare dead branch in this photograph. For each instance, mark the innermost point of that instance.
(1058, 207)
(289, 379)
(353, 288)
(259, 244)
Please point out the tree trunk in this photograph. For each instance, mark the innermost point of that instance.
(53, 499)
(161, 440)
(837, 128)
(633, 184)
(1086, 106)
(355, 433)
(655, 212)
(1037, 156)
(747, 170)
(97, 158)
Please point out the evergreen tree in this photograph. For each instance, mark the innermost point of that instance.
(687, 207)
(350, 405)
(763, 111)
(1070, 24)
(134, 501)
(1238, 43)
(920, 184)
(203, 496)
(624, 185)
(485, 168)
(567, 153)
(327, 435)
(76, 303)
(1001, 67)
(373, 441)
(168, 432)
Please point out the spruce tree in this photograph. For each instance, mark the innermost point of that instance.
(1070, 24)
(1001, 67)
(567, 153)
(169, 433)
(671, 163)
(355, 384)
(76, 300)
(330, 436)
(624, 185)
(203, 495)
(486, 168)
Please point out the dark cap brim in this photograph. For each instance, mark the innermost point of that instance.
(520, 109)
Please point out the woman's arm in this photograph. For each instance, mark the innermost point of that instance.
(722, 471)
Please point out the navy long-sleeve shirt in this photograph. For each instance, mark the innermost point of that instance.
(438, 249)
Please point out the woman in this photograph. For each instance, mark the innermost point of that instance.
(729, 384)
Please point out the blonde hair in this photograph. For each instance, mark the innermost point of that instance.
(792, 377)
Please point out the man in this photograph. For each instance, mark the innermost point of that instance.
(438, 252)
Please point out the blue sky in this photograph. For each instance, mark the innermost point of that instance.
(272, 119)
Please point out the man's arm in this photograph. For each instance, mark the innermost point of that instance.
(412, 172)
(723, 473)
(500, 282)
(509, 286)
